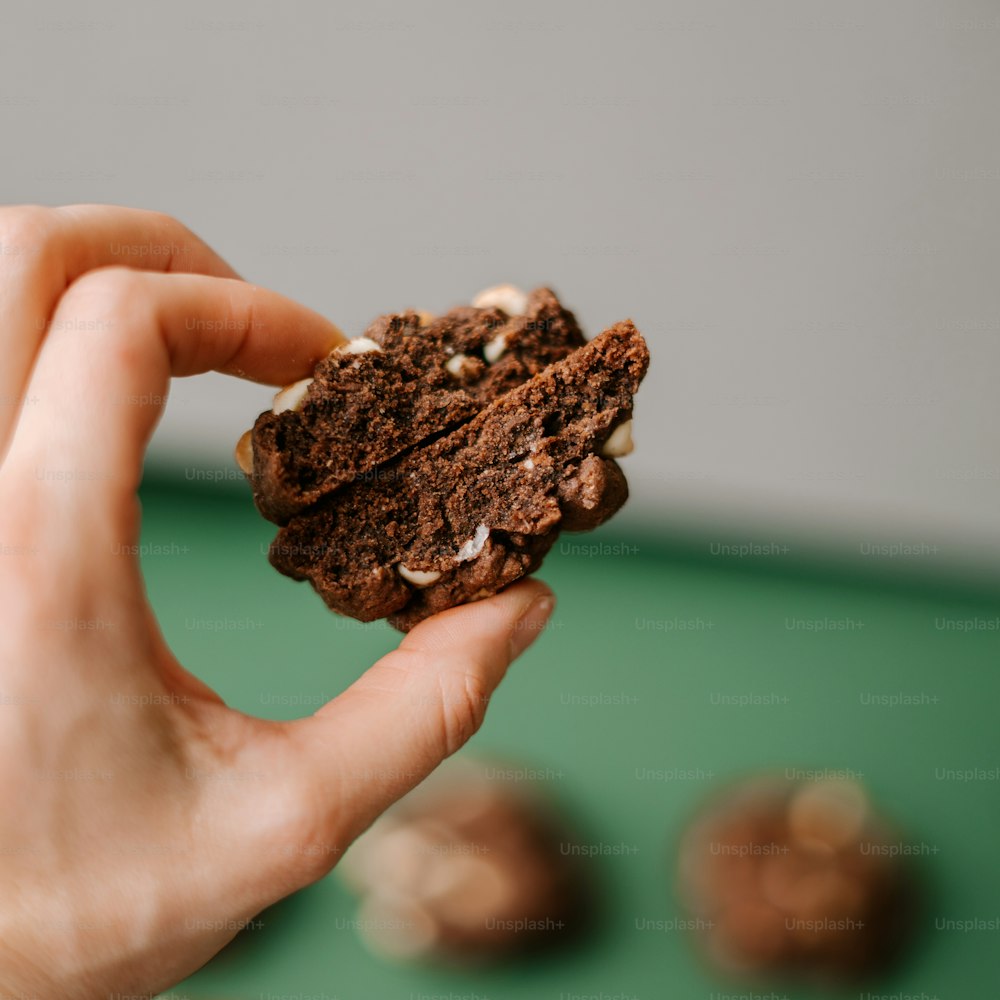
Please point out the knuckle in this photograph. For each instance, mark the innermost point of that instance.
(294, 817)
(169, 229)
(158, 218)
(298, 833)
(26, 232)
(106, 282)
(108, 292)
(463, 701)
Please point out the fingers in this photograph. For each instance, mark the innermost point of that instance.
(46, 249)
(102, 376)
(416, 706)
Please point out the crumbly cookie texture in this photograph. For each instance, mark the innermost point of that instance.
(487, 475)
(409, 377)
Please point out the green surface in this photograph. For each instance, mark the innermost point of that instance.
(631, 704)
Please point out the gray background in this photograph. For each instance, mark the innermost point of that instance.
(796, 201)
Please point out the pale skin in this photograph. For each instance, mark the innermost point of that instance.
(143, 821)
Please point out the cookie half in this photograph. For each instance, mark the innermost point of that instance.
(466, 514)
(409, 378)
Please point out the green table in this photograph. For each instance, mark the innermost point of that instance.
(667, 671)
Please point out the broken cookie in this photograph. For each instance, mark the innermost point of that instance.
(451, 483)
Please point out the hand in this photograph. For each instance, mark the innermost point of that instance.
(123, 869)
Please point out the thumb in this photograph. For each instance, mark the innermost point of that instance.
(417, 705)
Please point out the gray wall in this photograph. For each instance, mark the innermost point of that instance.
(796, 201)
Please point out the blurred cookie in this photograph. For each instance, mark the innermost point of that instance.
(470, 513)
(795, 879)
(469, 868)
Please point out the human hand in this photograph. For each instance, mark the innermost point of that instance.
(121, 872)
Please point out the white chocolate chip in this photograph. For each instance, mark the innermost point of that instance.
(291, 397)
(397, 857)
(455, 364)
(467, 887)
(528, 463)
(620, 442)
(419, 577)
(359, 345)
(397, 927)
(244, 453)
(509, 298)
(828, 813)
(495, 349)
(474, 545)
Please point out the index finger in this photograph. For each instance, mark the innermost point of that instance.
(47, 249)
(102, 376)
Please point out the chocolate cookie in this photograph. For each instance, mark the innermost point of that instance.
(462, 511)
(470, 868)
(408, 378)
(800, 880)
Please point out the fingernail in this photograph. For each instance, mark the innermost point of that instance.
(528, 627)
